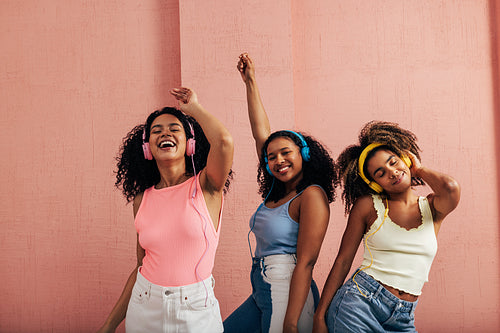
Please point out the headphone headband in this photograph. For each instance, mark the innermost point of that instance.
(304, 150)
(190, 143)
(361, 162)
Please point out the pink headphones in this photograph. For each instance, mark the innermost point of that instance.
(190, 144)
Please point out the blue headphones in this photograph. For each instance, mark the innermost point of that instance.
(304, 150)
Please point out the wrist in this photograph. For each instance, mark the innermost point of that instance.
(419, 171)
(319, 315)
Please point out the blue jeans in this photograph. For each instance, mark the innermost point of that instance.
(264, 310)
(381, 311)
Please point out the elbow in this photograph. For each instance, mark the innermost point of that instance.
(307, 264)
(452, 188)
(225, 143)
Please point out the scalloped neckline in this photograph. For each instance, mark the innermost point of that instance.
(420, 226)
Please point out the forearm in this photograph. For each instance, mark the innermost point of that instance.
(446, 191)
(216, 133)
(440, 183)
(120, 309)
(300, 285)
(334, 281)
(259, 121)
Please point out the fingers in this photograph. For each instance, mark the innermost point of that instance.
(182, 94)
(242, 62)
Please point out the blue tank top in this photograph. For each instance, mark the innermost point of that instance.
(275, 231)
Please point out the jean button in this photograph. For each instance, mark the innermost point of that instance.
(168, 292)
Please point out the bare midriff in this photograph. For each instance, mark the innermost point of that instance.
(400, 294)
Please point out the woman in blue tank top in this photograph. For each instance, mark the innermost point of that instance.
(297, 179)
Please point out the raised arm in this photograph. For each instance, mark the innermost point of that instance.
(314, 217)
(446, 190)
(353, 234)
(256, 112)
(220, 158)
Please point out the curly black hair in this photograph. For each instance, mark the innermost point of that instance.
(135, 173)
(319, 170)
(393, 138)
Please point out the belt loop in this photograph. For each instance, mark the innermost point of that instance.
(294, 256)
(379, 290)
(413, 307)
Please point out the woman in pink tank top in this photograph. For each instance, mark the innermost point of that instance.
(175, 168)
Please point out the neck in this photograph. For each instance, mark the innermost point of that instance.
(171, 174)
(291, 186)
(407, 197)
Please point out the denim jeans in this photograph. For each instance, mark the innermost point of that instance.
(265, 309)
(191, 308)
(380, 311)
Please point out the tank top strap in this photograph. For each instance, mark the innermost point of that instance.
(306, 189)
(425, 210)
(378, 204)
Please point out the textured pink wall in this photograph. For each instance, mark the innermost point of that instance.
(75, 76)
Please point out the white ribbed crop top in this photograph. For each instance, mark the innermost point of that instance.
(402, 258)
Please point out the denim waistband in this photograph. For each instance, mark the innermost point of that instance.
(377, 290)
(285, 258)
(205, 286)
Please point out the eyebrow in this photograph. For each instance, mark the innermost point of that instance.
(169, 125)
(380, 169)
(281, 149)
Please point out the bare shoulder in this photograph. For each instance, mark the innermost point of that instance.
(137, 202)
(363, 208)
(314, 192)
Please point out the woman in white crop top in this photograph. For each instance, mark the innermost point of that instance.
(397, 227)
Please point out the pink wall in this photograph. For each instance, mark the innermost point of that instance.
(76, 76)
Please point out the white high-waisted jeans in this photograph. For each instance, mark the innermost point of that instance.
(265, 309)
(191, 308)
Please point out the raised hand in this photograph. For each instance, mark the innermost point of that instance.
(415, 163)
(188, 100)
(246, 67)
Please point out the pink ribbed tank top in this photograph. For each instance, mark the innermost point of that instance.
(179, 243)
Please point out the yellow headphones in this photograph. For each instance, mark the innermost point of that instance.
(361, 161)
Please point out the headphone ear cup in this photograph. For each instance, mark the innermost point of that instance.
(406, 160)
(190, 147)
(376, 187)
(147, 151)
(267, 167)
(306, 156)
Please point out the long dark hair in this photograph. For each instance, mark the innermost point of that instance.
(319, 170)
(135, 173)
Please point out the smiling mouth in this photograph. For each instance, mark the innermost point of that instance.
(166, 144)
(283, 169)
(399, 179)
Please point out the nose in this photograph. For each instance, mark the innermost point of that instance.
(394, 173)
(279, 159)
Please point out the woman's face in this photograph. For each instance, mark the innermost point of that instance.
(389, 171)
(284, 159)
(167, 138)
